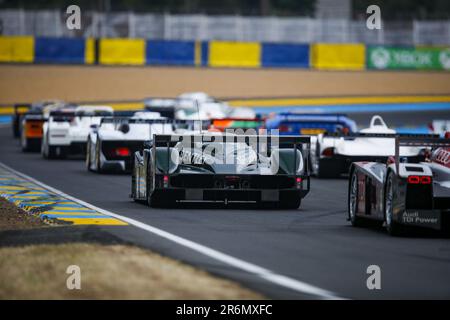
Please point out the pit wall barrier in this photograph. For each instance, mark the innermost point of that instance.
(223, 54)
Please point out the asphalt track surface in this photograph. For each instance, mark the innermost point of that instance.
(314, 244)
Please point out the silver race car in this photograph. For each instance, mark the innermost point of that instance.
(401, 193)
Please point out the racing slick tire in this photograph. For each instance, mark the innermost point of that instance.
(134, 186)
(24, 145)
(28, 145)
(353, 201)
(327, 169)
(51, 153)
(88, 155)
(157, 199)
(98, 166)
(392, 227)
(16, 127)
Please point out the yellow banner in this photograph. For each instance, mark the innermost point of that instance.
(17, 49)
(122, 51)
(234, 54)
(338, 56)
(89, 51)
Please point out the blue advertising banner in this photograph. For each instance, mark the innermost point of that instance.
(285, 55)
(59, 50)
(170, 52)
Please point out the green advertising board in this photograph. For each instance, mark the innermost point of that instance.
(380, 57)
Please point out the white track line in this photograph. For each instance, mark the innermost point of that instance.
(256, 270)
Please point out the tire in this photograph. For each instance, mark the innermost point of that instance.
(392, 227)
(134, 194)
(353, 202)
(326, 170)
(51, 153)
(156, 199)
(24, 145)
(24, 142)
(88, 155)
(44, 149)
(15, 127)
(97, 157)
(48, 152)
(152, 199)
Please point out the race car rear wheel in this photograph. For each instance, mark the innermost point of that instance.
(24, 143)
(51, 152)
(98, 166)
(153, 199)
(88, 155)
(156, 199)
(16, 126)
(353, 201)
(392, 227)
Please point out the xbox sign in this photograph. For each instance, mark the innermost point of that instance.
(444, 59)
(380, 58)
(383, 57)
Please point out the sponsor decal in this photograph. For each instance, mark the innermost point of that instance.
(420, 218)
(442, 156)
(444, 59)
(381, 57)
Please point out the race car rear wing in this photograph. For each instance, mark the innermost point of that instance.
(34, 116)
(236, 123)
(122, 119)
(355, 135)
(302, 143)
(187, 124)
(171, 140)
(178, 124)
(430, 141)
(65, 115)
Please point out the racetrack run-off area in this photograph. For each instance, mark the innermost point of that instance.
(28, 83)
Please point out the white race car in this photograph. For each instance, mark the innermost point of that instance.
(66, 131)
(200, 106)
(335, 152)
(111, 145)
(164, 106)
(32, 122)
(440, 127)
